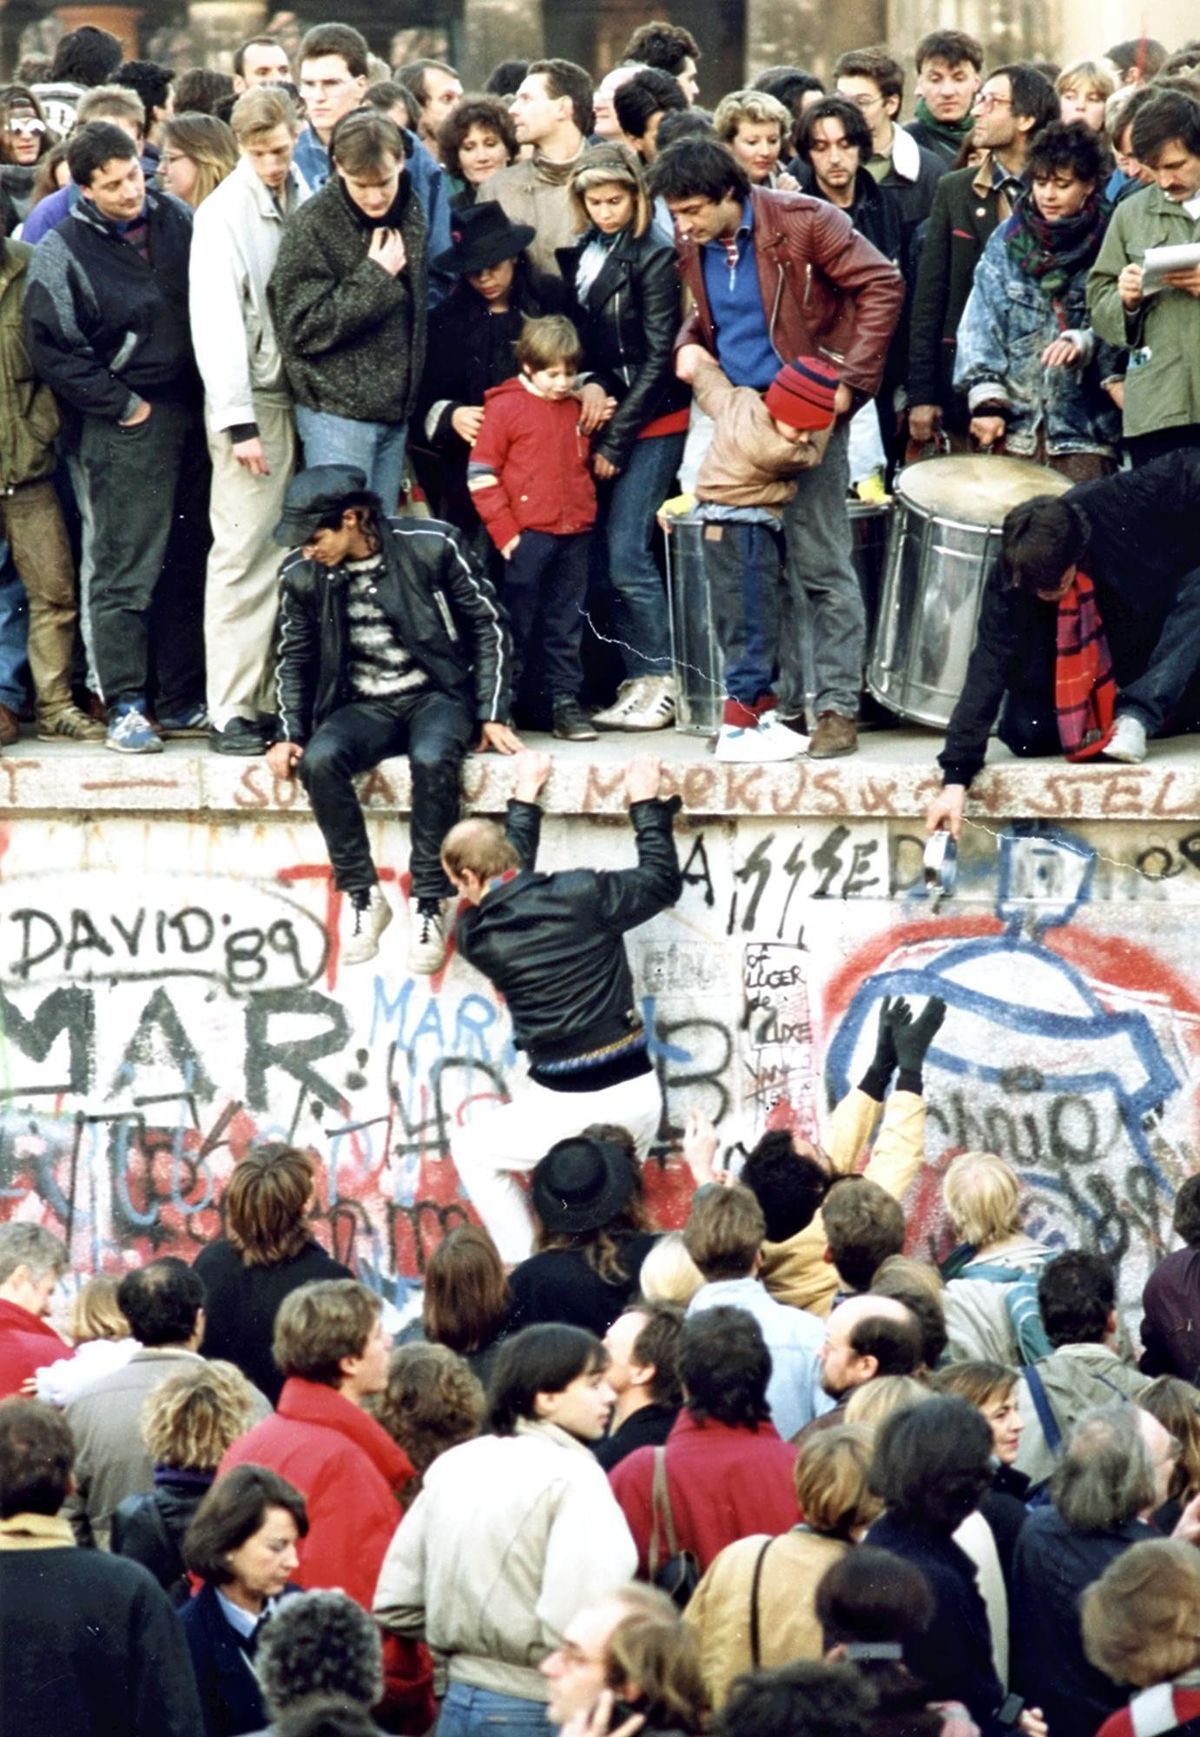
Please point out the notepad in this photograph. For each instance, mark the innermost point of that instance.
(1161, 260)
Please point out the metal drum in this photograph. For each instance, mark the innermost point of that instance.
(944, 539)
(695, 650)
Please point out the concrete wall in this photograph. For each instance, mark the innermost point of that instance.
(170, 988)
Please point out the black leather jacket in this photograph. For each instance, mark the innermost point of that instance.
(628, 321)
(443, 609)
(553, 944)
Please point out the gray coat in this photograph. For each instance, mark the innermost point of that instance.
(111, 1461)
(352, 336)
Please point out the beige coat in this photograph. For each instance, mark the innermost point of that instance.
(537, 191)
(719, 1611)
(748, 463)
(796, 1271)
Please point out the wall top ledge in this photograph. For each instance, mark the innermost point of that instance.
(892, 776)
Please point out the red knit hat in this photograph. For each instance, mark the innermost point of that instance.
(802, 392)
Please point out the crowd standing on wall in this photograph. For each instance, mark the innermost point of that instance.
(463, 353)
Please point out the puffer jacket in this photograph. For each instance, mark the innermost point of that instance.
(352, 336)
(553, 943)
(826, 290)
(1007, 323)
(29, 421)
(627, 321)
(1162, 386)
(528, 470)
(443, 609)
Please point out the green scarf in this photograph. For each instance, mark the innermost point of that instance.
(952, 133)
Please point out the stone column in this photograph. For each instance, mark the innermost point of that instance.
(123, 21)
(809, 33)
(216, 27)
(495, 30)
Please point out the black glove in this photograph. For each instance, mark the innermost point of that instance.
(893, 1015)
(912, 1042)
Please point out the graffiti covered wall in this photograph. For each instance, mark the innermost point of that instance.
(170, 989)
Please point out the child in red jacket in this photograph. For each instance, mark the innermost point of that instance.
(530, 479)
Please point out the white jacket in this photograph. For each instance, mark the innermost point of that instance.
(510, 1537)
(236, 234)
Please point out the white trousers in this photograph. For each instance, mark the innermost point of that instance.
(518, 1135)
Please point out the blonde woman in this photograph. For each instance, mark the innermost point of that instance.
(669, 1274)
(754, 1608)
(990, 1299)
(198, 151)
(188, 1421)
(102, 1340)
(757, 127)
(1083, 90)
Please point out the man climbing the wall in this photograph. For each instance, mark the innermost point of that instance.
(553, 945)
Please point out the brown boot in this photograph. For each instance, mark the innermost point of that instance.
(833, 735)
(10, 727)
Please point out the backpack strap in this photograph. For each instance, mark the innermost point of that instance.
(1045, 1412)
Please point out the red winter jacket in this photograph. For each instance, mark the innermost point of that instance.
(350, 1473)
(724, 1484)
(529, 468)
(26, 1344)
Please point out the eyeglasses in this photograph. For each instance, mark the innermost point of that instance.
(985, 100)
(863, 102)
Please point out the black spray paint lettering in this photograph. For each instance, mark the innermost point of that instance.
(190, 941)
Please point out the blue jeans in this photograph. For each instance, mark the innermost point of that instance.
(627, 509)
(742, 565)
(822, 600)
(14, 629)
(468, 1712)
(377, 448)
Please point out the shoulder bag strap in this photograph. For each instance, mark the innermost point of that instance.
(755, 1638)
(1041, 1404)
(661, 1521)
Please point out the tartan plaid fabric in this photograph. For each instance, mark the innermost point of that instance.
(1084, 690)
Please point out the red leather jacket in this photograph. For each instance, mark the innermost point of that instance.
(826, 290)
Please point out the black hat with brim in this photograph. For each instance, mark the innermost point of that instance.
(313, 495)
(483, 236)
(581, 1184)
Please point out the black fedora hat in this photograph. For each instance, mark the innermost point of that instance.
(482, 236)
(581, 1184)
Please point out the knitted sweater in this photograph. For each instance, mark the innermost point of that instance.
(352, 336)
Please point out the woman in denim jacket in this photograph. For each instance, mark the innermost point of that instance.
(1037, 378)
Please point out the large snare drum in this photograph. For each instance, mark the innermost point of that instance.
(944, 540)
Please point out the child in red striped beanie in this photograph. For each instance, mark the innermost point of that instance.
(761, 443)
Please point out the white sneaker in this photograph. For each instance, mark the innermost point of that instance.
(761, 743)
(654, 707)
(427, 941)
(1128, 740)
(365, 923)
(628, 695)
